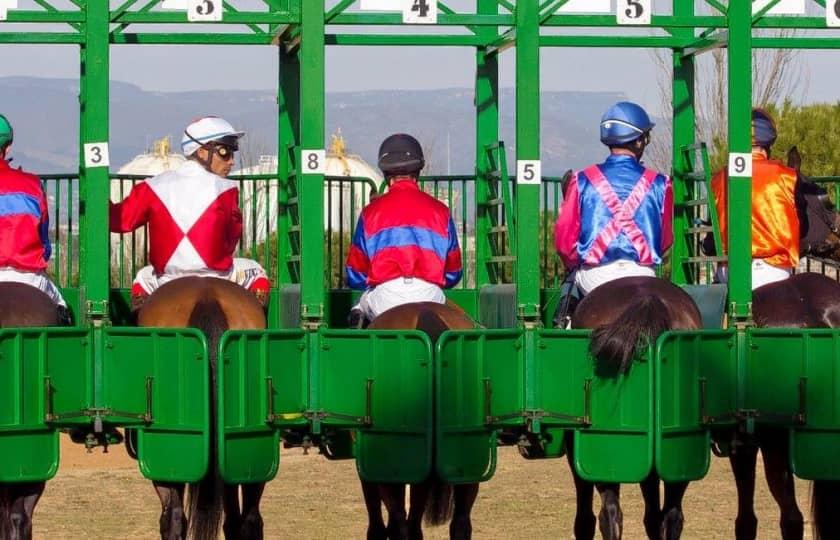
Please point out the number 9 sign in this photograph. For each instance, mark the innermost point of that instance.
(740, 165)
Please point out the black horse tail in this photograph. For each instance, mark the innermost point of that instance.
(825, 500)
(614, 344)
(439, 504)
(206, 496)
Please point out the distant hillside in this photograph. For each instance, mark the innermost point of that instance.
(45, 115)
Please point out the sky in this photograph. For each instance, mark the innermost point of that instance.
(187, 68)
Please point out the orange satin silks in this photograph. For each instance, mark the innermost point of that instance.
(775, 227)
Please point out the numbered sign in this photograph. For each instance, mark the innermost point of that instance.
(314, 161)
(528, 171)
(204, 10)
(633, 11)
(380, 5)
(784, 7)
(420, 11)
(740, 164)
(5, 6)
(96, 155)
(832, 13)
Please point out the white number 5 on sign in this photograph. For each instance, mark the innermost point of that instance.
(204, 10)
(633, 11)
(832, 13)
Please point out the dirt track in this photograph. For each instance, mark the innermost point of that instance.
(104, 496)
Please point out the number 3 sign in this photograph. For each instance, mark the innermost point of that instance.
(204, 10)
(832, 13)
(633, 11)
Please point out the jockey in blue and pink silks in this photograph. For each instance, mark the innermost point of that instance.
(616, 219)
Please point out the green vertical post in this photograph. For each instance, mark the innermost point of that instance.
(739, 185)
(94, 184)
(527, 148)
(486, 133)
(311, 186)
(683, 133)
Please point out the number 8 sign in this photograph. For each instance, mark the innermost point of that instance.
(832, 13)
(313, 161)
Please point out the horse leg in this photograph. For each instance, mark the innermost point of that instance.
(373, 502)
(780, 481)
(610, 519)
(252, 522)
(825, 500)
(233, 513)
(743, 468)
(393, 495)
(584, 492)
(653, 506)
(23, 498)
(672, 520)
(418, 496)
(173, 520)
(461, 527)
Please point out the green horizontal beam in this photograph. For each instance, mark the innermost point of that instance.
(37, 38)
(150, 38)
(443, 19)
(180, 17)
(793, 23)
(657, 21)
(649, 42)
(23, 16)
(414, 40)
(797, 43)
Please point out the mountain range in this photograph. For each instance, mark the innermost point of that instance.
(44, 113)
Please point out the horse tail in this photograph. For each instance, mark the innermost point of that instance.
(439, 504)
(825, 500)
(205, 496)
(614, 344)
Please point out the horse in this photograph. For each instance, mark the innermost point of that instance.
(211, 305)
(819, 221)
(625, 314)
(22, 305)
(437, 500)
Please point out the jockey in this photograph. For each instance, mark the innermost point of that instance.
(405, 245)
(616, 217)
(193, 216)
(775, 199)
(24, 217)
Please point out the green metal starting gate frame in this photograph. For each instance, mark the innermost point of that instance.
(367, 393)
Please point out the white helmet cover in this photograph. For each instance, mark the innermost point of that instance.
(204, 130)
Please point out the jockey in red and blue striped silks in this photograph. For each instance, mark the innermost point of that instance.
(615, 211)
(404, 233)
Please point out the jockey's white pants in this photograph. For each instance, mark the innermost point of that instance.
(244, 272)
(39, 280)
(762, 273)
(397, 292)
(589, 277)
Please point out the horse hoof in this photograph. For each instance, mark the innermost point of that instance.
(672, 524)
(610, 519)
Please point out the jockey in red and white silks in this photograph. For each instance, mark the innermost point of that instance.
(616, 217)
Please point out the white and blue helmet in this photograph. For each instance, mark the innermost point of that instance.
(623, 123)
(209, 129)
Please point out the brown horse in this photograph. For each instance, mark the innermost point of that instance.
(803, 301)
(22, 305)
(627, 313)
(212, 305)
(433, 319)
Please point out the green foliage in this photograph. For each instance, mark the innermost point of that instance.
(335, 253)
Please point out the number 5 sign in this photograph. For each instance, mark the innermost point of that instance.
(529, 171)
(832, 13)
(633, 11)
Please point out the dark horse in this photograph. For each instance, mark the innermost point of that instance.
(819, 221)
(432, 495)
(212, 305)
(22, 305)
(803, 301)
(627, 313)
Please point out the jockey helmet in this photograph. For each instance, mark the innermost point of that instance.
(623, 123)
(763, 128)
(7, 134)
(209, 129)
(401, 154)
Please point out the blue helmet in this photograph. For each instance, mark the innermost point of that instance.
(763, 129)
(623, 123)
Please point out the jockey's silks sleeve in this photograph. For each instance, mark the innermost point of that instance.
(24, 221)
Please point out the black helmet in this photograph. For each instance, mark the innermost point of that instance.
(400, 154)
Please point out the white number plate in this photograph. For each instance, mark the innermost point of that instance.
(528, 171)
(740, 164)
(633, 11)
(832, 13)
(96, 155)
(419, 11)
(204, 10)
(314, 161)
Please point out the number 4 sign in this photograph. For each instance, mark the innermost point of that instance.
(832, 13)
(633, 11)
(419, 11)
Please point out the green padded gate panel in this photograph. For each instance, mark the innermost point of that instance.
(801, 372)
(617, 445)
(262, 387)
(478, 382)
(164, 372)
(696, 388)
(381, 383)
(43, 371)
